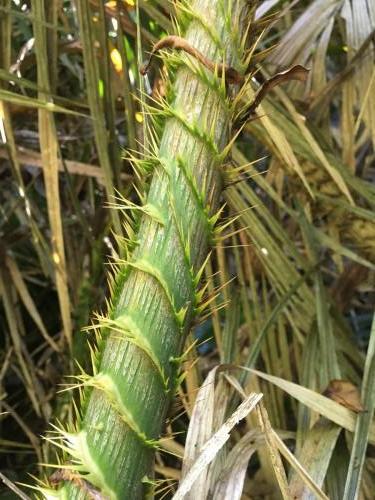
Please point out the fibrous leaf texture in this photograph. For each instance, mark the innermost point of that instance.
(155, 294)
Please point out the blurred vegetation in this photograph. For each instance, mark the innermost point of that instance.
(294, 270)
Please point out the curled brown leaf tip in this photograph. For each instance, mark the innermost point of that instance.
(296, 72)
(145, 67)
(179, 43)
(344, 393)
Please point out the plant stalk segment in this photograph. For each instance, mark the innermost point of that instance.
(156, 294)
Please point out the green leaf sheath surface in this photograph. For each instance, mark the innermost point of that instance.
(155, 293)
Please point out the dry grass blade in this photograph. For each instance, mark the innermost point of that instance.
(278, 142)
(232, 476)
(26, 368)
(306, 477)
(50, 158)
(271, 319)
(34, 103)
(34, 440)
(213, 446)
(276, 461)
(340, 249)
(207, 416)
(360, 16)
(200, 430)
(315, 457)
(105, 85)
(13, 487)
(316, 150)
(315, 401)
(27, 300)
(327, 347)
(96, 102)
(10, 151)
(364, 422)
(128, 98)
(264, 7)
(292, 47)
(29, 157)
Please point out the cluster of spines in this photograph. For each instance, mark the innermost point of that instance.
(124, 326)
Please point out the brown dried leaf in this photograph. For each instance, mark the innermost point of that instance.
(344, 393)
(297, 72)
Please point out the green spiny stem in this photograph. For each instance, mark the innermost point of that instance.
(155, 296)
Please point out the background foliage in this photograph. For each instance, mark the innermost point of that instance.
(292, 279)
